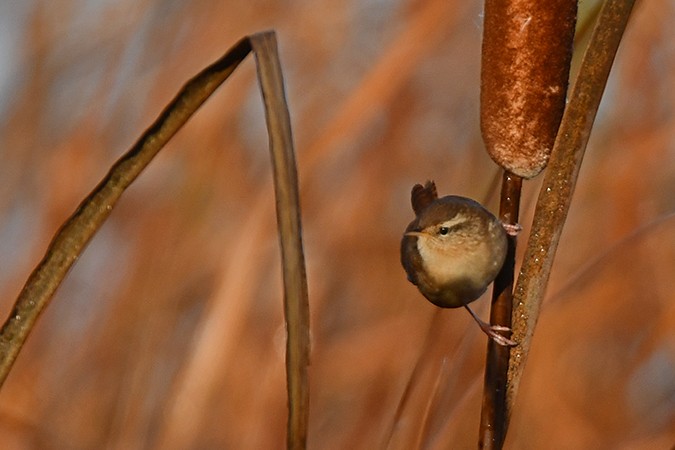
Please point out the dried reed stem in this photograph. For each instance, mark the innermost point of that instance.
(559, 182)
(525, 63)
(493, 424)
(73, 236)
(296, 303)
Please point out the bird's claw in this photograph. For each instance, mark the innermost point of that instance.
(492, 332)
(512, 229)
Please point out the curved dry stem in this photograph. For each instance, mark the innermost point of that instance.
(77, 231)
(559, 182)
(71, 239)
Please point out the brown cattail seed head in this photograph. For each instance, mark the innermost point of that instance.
(527, 50)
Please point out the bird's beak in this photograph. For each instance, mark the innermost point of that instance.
(414, 233)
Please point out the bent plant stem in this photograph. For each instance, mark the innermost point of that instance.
(73, 236)
(493, 422)
(71, 239)
(559, 183)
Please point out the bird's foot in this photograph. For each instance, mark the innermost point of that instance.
(512, 229)
(493, 332)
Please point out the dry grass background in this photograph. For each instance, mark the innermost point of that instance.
(168, 332)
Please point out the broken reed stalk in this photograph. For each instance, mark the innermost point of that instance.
(525, 63)
(71, 239)
(559, 182)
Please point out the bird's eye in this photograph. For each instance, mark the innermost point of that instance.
(443, 231)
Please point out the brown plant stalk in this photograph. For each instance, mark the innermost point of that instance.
(296, 303)
(71, 239)
(493, 421)
(559, 182)
(526, 56)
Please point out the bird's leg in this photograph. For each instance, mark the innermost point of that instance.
(492, 330)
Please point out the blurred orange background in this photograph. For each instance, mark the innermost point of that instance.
(168, 332)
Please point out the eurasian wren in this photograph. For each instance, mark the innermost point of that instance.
(453, 250)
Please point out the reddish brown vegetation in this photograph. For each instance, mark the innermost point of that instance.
(168, 332)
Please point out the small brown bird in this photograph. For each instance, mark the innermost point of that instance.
(453, 250)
